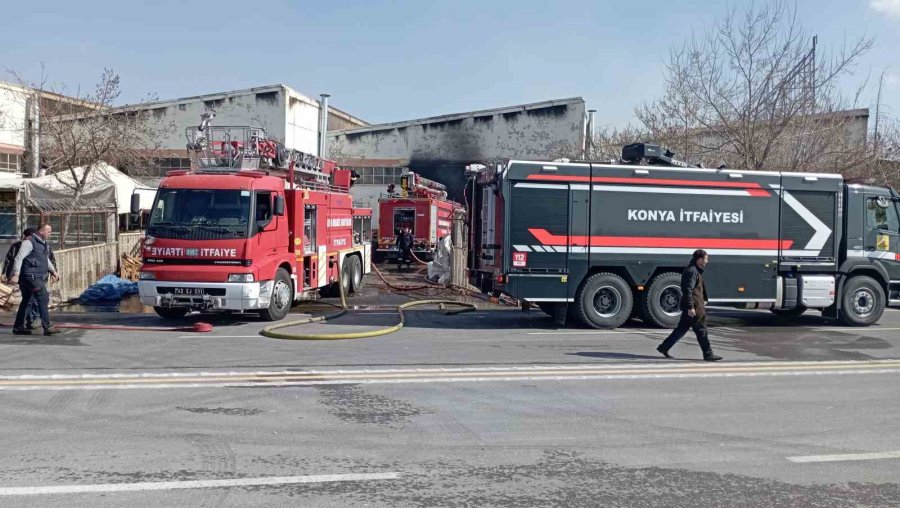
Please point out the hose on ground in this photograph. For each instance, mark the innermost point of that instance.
(274, 333)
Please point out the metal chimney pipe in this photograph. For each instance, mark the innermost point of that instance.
(323, 124)
(590, 133)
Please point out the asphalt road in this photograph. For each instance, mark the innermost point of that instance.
(493, 408)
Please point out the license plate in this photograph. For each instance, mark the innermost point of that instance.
(190, 291)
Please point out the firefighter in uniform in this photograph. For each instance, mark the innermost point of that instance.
(404, 247)
(693, 309)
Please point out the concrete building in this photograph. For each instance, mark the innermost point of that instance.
(286, 114)
(440, 147)
(13, 143)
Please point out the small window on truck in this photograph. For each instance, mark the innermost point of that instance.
(882, 218)
(309, 230)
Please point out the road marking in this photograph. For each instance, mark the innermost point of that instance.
(859, 329)
(842, 457)
(625, 331)
(197, 484)
(559, 372)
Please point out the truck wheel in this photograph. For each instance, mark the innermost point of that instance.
(356, 274)
(862, 301)
(789, 313)
(661, 303)
(282, 297)
(603, 300)
(171, 312)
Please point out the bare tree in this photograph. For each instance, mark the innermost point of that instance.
(753, 92)
(81, 130)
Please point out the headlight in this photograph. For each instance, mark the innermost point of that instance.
(240, 277)
(148, 240)
(148, 276)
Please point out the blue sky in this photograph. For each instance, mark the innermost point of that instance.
(390, 61)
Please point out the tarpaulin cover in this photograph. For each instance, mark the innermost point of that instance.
(109, 288)
(439, 269)
(105, 186)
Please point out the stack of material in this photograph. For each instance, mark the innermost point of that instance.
(109, 288)
(6, 292)
(130, 267)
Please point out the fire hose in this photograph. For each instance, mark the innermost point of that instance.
(274, 333)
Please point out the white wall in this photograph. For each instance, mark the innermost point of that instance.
(366, 196)
(12, 116)
(302, 123)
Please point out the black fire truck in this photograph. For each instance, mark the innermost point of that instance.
(603, 242)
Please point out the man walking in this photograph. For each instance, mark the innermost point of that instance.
(32, 269)
(693, 308)
(9, 263)
(404, 246)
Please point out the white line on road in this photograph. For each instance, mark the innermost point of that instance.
(568, 372)
(624, 331)
(842, 457)
(868, 329)
(196, 484)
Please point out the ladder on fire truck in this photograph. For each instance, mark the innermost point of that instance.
(415, 185)
(228, 149)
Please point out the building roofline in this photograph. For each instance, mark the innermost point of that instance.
(244, 91)
(460, 116)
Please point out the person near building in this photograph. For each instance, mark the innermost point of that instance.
(32, 270)
(693, 308)
(8, 263)
(404, 247)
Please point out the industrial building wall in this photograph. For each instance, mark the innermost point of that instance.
(264, 108)
(440, 147)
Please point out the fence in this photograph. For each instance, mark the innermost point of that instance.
(82, 266)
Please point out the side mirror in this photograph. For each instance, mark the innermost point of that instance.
(279, 205)
(135, 203)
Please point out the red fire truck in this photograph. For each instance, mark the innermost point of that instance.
(421, 205)
(253, 227)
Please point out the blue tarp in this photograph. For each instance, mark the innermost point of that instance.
(109, 288)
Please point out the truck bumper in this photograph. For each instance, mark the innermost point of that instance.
(218, 296)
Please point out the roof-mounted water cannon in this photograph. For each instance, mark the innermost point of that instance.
(650, 154)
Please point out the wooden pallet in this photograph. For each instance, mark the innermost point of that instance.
(130, 268)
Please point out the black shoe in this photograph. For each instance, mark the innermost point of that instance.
(21, 331)
(663, 352)
(52, 331)
(711, 358)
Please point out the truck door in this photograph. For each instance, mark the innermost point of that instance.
(539, 240)
(882, 240)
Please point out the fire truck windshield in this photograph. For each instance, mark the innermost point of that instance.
(200, 213)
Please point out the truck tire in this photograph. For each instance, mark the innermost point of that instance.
(171, 312)
(356, 273)
(603, 300)
(862, 302)
(660, 305)
(789, 313)
(282, 297)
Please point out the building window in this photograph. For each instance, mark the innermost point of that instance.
(8, 227)
(10, 162)
(378, 175)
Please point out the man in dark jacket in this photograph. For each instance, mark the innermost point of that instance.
(33, 269)
(404, 246)
(31, 320)
(693, 308)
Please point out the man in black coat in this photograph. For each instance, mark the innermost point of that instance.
(9, 263)
(693, 308)
(32, 270)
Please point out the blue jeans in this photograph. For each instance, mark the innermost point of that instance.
(33, 315)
